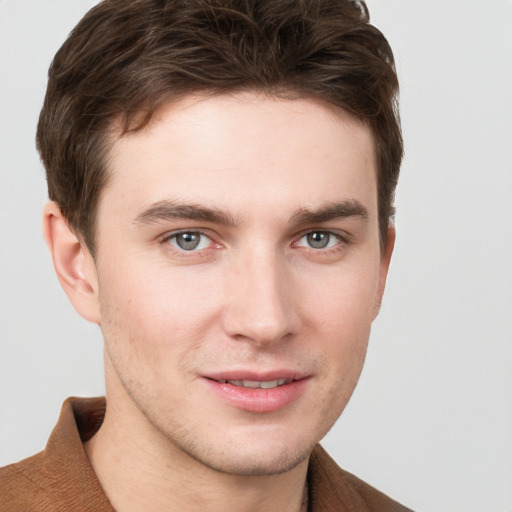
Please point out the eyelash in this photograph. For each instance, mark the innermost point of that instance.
(168, 239)
(341, 241)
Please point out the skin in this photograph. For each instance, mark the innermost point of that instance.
(251, 176)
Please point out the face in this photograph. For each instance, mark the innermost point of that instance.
(238, 273)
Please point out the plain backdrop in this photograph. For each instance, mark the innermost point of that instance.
(431, 420)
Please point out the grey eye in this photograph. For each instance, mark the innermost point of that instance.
(187, 241)
(318, 239)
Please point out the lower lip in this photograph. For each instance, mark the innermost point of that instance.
(258, 400)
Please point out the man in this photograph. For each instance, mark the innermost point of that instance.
(221, 176)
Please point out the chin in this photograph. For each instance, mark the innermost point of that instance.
(254, 463)
(259, 450)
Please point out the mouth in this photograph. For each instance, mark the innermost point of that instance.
(261, 393)
(255, 384)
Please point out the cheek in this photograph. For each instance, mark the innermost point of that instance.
(343, 300)
(342, 316)
(156, 313)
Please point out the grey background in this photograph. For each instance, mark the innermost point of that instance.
(431, 420)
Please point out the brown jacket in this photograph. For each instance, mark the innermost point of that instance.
(60, 478)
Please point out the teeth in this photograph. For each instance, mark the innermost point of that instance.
(268, 384)
(254, 384)
(251, 384)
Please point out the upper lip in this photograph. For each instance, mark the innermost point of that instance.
(256, 376)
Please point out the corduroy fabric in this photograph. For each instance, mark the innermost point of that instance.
(61, 479)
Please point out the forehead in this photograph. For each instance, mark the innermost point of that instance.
(244, 148)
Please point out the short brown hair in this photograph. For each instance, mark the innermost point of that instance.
(126, 58)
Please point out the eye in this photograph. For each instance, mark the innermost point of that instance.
(189, 241)
(319, 240)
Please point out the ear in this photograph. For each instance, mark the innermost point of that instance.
(385, 260)
(73, 263)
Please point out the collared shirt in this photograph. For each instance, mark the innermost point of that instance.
(60, 478)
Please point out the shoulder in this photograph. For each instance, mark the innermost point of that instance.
(37, 484)
(60, 478)
(21, 486)
(333, 488)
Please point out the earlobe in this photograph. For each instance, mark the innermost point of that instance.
(384, 267)
(73, 263)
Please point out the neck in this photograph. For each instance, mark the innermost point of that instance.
(139, 469)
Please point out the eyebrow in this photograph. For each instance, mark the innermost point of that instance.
(169, 210)
(341, 209)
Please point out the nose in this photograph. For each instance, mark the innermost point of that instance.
(260, 306)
